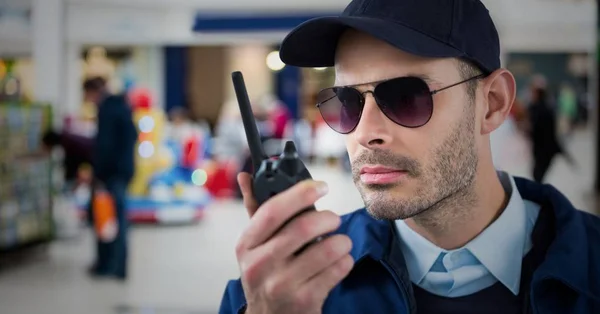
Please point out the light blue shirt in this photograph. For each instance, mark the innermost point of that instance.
(494, 255)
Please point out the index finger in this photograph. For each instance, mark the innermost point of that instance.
(245, 182)
(275, 212)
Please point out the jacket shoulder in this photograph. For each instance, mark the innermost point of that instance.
(591, 220)
(591, 224)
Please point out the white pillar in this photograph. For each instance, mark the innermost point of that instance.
(251, 61)
(592, 88)
(48, 54)
(157, 74)
(73, 79)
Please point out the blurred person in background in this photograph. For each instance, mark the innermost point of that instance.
(113, 166)
(280, 115)
(544, 135)
(229, 141)
(582, 108)
(180, 127)
(77, 151)
(419, 89)
(263, 109)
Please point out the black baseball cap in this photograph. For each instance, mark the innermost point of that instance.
(428, 28)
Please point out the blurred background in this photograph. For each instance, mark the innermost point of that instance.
(173, 60)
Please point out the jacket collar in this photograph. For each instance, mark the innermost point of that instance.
(567, 261)
(370, 237)
(568, 258)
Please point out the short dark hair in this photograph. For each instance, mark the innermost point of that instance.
(469, 70)
(94, 84)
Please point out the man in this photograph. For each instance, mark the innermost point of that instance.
(113, 170)
(420, 91)
(77, 151)
(545, 143)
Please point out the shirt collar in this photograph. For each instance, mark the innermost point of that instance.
(500, 247)
(419, 253)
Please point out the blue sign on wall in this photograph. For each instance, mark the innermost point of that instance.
(175, 77)
(287, 86)
(251, 23)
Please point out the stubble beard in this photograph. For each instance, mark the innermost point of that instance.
(445, 187)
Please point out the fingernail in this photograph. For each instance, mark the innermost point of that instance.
(322, 188)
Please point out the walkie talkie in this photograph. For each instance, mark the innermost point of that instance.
(271, 175)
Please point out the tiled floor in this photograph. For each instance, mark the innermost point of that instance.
(183, 270)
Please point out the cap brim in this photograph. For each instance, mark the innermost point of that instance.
(313, 43)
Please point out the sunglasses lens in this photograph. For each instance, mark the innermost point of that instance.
(340, 108)
(406, 101)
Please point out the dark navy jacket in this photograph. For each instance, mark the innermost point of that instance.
(114, 146)
(567, 281)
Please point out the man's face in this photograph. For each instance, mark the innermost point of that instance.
(431, 162)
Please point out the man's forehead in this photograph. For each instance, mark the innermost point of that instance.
(362, 59)
(433, 75)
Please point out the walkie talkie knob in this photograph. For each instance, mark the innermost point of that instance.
(290, 151)
(289, 160)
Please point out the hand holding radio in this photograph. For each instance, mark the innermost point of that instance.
(275, 278)
(286, 264)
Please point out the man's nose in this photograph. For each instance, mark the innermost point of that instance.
(373, 129)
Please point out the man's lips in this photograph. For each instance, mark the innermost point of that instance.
(381, 174)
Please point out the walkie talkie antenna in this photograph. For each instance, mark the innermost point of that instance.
(254, 143)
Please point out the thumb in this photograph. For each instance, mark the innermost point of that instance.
(245, 181)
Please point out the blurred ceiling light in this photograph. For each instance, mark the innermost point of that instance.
(274, 62)
(146, 124)
(199, 177)
(146, 149)
(321, 68)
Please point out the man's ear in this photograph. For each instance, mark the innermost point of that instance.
(499, 91)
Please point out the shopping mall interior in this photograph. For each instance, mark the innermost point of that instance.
(173, 60)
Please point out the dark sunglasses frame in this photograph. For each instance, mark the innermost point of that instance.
(372, 92)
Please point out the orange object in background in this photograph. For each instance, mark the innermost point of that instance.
(105, 220)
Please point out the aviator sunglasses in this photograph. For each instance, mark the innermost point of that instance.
(407, 101)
